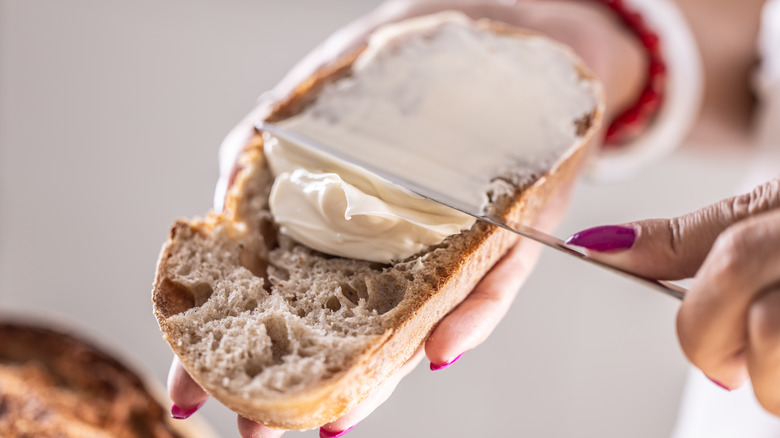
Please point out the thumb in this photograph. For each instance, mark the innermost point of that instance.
(672, 249)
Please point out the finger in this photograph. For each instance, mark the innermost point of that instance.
(187, 396)
(713, 319)
(250, 429)
(478, 315)
(469, 324)
(674, 248)
(763, 352)
(373, 401)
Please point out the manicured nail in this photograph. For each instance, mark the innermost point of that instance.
(719, 384)
(605, 238)
(178, 413)
(435, 367)
(325, 434)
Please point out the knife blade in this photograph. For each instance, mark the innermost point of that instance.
(548, 240)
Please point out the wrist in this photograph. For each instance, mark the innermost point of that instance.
(615, 55)
(662, 115)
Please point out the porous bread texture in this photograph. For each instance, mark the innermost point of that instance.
(293, 338)
(55, 385)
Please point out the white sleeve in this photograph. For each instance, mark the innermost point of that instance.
(681, 99)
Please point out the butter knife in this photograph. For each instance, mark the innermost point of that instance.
(299, 139)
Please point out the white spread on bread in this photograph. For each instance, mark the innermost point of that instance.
(344, 210)
(444, 103)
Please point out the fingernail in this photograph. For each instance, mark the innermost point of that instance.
(605, 238)
(435, 367)
(178, 413)
(325, 434)
(719, 384)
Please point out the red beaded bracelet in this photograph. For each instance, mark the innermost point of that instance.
(630, 123)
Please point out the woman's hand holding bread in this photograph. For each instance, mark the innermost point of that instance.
(611, 53)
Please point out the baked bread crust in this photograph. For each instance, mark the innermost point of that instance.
(241, 243)
(55, 385)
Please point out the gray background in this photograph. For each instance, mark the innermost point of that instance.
(110, 117)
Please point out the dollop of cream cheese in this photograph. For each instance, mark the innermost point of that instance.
(343, 210)
(446, 104)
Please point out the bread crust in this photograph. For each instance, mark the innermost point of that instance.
(55, 384)
(409, 324)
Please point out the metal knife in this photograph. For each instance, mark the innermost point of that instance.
(666, 287)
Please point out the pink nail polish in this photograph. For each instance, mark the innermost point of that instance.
(325, 434)
(719, 384)
(178, 413)
(605, 238)
(435, 367)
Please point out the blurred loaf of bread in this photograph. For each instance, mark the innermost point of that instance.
(53, 384)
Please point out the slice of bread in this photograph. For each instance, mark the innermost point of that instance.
(54, 384)
(294, 338)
